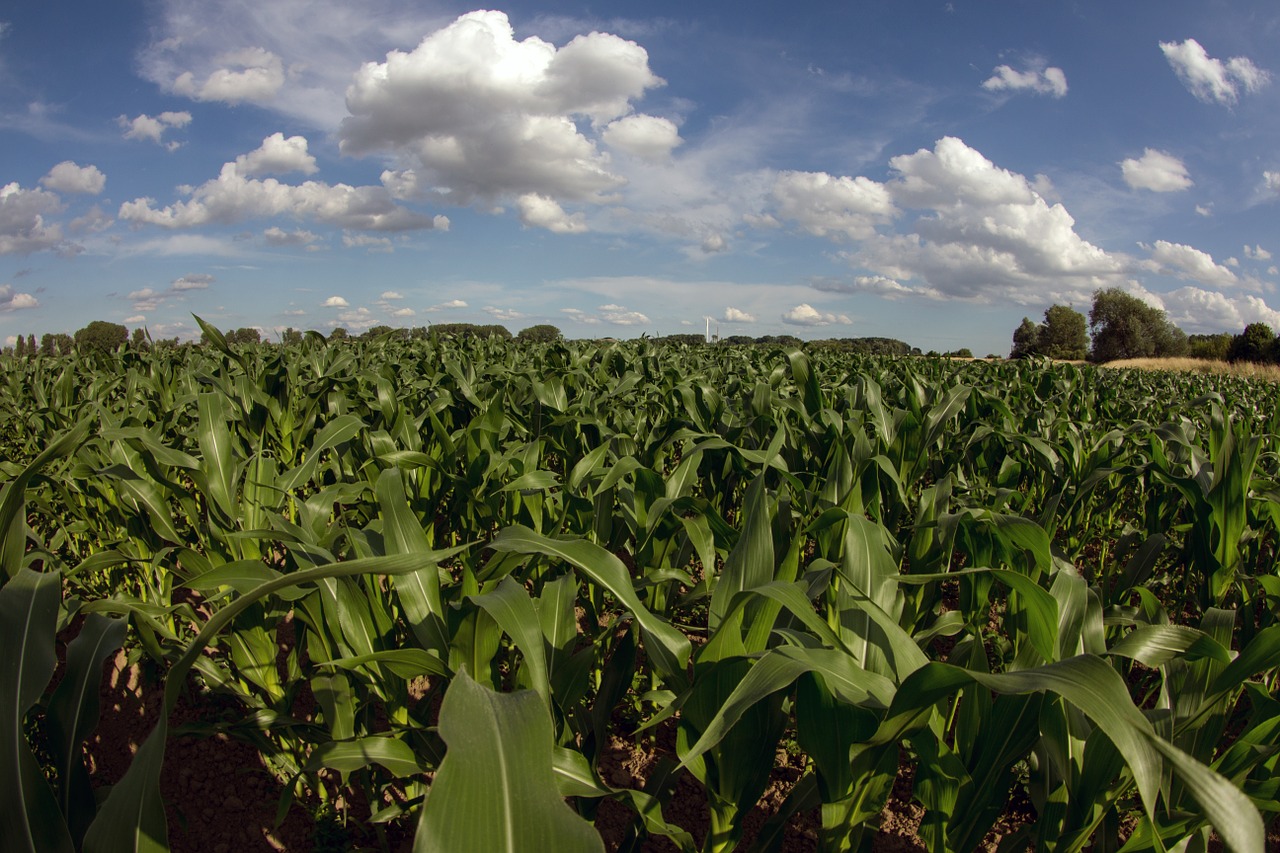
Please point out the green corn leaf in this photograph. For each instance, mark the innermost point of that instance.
(73, 714)
(30, 821)
(496, 788)
(669, 648)
(349, 756)
(341, 429)
(132, 818)
(13, 520)
(510, 606)
(405, 663)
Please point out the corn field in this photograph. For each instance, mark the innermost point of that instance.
(491, 558)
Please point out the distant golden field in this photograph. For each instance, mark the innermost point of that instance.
(1270, 372)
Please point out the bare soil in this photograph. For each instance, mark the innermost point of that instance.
(219, 796)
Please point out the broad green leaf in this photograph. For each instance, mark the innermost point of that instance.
(74, 713)
(669, 647)
(348, 756)
(31, 821)
(496, 788)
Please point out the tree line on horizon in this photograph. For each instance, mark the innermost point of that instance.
(1122, 326)
(1118, 326)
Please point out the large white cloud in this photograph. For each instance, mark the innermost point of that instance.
(988, 235)
(538, 211)
(250, 74)
(805, 314)
(69, 177)
(22, 220)
(154, 127)
(736, 315)
(620, 315)
(832, 206)
(11, 301)
(1040, 80)
(1195, 309)
(1157, 171)
(1209, 79)
(1190, 263)
(233, 197)
(278, 155)
(488, 117)
(648, 137)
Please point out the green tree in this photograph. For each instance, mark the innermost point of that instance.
(1063, 334)
(291, 337)
(31, 344)
(139, 341)
(1253, 344)
(543, 333)
(1123, 326)
(101, 336)
(1211, 347)
(56, 344)
(20, 347)
(1026, 340)
(338, 334)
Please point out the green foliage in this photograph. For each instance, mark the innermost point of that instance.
(1210, 347)
(56, 344)
(1029, 577)
(471, 330)
(1256, 344)
(1062, 335)
(1123, 326)
(101, 336)
(544, 333)
(1026, 340)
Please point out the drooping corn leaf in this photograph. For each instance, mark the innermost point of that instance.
(496, 789)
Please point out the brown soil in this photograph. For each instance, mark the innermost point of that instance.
(220, 797)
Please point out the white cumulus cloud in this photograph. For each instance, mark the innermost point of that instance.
(486, 116)
(1190, 263)
(619, 315)
(232, 198)
(22, 220)
(144, 127)
(805, 314)
(538, 211)
(277, 155)
(11, 301)
(1042, 81)
(986, 235)
(192, 281)
(1257, 253)
(335, 302)
(276, 236)
(69, 177)
(649, 138)
(1157, 171)
(1212, 80)
(828, 206)
(735, 315)
(252, 74)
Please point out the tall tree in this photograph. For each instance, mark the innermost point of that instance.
(1123, 326)
(1064, 334)
(542, 333)
(1026, 340)
(101, 336)
(1253, 344)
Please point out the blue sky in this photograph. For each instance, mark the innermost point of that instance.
(929, 171)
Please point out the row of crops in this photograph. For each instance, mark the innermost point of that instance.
(485, 560)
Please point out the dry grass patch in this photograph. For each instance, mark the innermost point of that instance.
(1269, 372)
